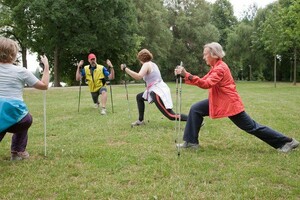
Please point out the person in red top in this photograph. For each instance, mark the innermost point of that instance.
(224, 101)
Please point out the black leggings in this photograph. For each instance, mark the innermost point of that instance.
(169, 113)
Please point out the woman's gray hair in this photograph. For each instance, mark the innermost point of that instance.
(216, 50)
(8, 50)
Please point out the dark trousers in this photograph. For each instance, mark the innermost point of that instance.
(20, 134)
(95, 95)
(241, 120)
(169, 113)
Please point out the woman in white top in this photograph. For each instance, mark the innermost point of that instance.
(157, 90)
(14, 115)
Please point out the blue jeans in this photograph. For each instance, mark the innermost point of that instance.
(242, 120)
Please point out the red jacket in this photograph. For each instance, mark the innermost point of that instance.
(224, 100)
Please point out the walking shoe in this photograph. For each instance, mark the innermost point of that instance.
(96, 105)
(19, 155)
(188, 145)
(289, 146)
(137, 123)
(103, 111)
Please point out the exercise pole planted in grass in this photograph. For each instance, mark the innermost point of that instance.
(45, 113)
(127, 92)
(178, 111)
(45, 126)
(80, 82)
(111, 97)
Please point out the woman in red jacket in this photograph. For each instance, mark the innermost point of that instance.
(224, 101)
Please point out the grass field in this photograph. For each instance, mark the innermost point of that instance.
(90, 156)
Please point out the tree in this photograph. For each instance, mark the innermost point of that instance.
(271, 34)
(15, 24)
(223, 18)
(68, 30)
(192, 28)
(153, 28)
(250, 13)
(239, 50)
(290, 14)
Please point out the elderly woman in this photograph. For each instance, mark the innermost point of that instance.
(224, 101)
(14, 115)
(157, 90)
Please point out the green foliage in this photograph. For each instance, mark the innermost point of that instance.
(223, 18)
(174, 31)
(153, 28)
(90, 156)
(239, 49)
(105, 28)
(192, 28)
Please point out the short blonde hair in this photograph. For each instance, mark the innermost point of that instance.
(145, 55)
(8, 50)
(215, 49)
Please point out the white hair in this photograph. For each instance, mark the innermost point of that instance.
(216, 50)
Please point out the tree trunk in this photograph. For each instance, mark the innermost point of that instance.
(56, 68)
(275, 62)
(24, 57)
(295, 66)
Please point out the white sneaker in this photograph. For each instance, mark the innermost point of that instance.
(137, 123)
(289, 146)
(188, 145)
(19, 155)
(103, 111)
(96, 105)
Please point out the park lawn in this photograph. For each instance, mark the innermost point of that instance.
(90, 156)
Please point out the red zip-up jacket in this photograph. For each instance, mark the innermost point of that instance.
(224, 100)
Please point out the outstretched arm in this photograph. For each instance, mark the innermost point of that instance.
(137, 76)
(112, 71)
(44, 82)
(78, 73)
(211, 79)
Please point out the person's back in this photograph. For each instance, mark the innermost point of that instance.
(13, 79)
(153, 76)
(14, 115)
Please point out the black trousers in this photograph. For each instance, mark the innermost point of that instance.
(169, 113)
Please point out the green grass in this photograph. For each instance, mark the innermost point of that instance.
(90, 156)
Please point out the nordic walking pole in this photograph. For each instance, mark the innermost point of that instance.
(127, 92)
(178, 101)
(79, 77)
(45, 126)
(111, 97)
(112, 74)
(45, 114)
(79, 93)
